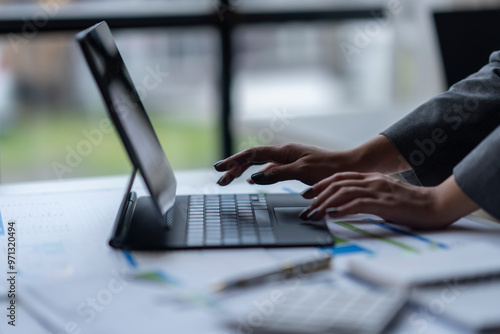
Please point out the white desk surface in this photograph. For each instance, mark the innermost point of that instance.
(70, 281)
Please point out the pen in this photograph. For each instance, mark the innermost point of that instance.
(287, 270)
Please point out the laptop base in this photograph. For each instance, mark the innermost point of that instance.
(140, 226)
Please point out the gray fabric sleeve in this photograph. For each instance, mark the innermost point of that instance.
(436, 136)
(478, 174)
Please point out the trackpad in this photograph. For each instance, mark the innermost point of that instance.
(288, 215)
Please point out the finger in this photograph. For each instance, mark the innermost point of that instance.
(349, 176)
(328, 185)
(382, 209)
(276, 174)
(338, 190)
(319, 187)
(269, 166)
(233, 173)
(253, 156)
(361, 205)
(344, 195)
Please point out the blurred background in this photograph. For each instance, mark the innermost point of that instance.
(332, 84)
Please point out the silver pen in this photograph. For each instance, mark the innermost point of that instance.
(287, 270)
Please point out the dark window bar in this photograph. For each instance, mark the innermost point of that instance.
(220, 14)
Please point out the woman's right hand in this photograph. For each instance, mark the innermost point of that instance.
(287, 162)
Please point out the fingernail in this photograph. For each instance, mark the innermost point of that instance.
(250, 181)
(222, 181)
(306, 192)
(304, 213)
(314, 215)
(331, 212)
(258, 177)
(217, 163)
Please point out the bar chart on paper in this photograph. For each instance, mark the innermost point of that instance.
(360, 234)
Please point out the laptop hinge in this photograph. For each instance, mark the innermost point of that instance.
(122, 221)
(124, 215)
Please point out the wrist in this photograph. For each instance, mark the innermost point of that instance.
(437, 207)
(378, 155)
(450, 203)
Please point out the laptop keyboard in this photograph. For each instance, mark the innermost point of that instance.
(229, 220)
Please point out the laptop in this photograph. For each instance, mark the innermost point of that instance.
(163, 220)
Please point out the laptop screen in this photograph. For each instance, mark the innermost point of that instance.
(128, 114)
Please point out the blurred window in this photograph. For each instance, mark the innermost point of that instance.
(53, 122)
(293, 80)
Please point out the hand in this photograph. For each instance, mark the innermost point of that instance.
(287, 162)
(388, 198)
(309, 164)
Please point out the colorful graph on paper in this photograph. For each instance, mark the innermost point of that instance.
(371, 236)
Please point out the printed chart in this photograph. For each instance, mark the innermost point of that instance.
(363, 234)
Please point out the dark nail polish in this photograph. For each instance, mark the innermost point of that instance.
(258, 177)
(222, 181)
(306, 192)
(314, 215)
(304, 213)
(217, 163)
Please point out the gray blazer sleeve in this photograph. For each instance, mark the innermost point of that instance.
(478, 175)
(439, 134)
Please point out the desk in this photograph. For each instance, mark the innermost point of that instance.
(70, 281)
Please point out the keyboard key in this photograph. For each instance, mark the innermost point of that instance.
(213, 242)
(195, 243)
(262, 217)
(231, 242)
(195, 230)
(213, 232)
(195, 223)
(266, 234)
(247, 239)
